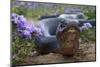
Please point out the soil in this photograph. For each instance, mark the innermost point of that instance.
(86, 52)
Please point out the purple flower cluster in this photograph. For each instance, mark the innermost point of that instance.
(23, 28)
(85, 26)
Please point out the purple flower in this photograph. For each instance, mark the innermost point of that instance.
(83, 28)
(21, 22)
(23, 28)
(22, 19)
(38, 31)
(14, 18)
(14, 15)
(26, 34)
(29, 28)
(86, 26)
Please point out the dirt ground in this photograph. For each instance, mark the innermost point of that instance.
(86, 53)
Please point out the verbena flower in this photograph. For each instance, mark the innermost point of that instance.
(22, 20)
(24, 29)
(86, 26)
(14, 18)
(13, 15)
(29, 28)
(26, 34)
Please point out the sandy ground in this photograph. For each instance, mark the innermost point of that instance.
(86, 52)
